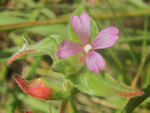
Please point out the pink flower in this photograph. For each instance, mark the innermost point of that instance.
(105, 39)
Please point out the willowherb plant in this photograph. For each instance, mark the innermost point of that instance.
(106, 38)
(72, 74)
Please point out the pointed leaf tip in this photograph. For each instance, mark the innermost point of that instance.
(46, 46)
(130, 94)
(98, 85)
(18, 54)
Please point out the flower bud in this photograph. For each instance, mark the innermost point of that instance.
(26, 111)
(43, 88)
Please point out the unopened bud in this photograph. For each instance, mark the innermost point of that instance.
(42, 88)
(26, 111)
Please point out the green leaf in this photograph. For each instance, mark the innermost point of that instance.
(94, 29)
(47, 12)
(33, 67)
(45, 46)
(6, 20)
(59, 88)
(139, 3)
(68, 66)
(57, 38)
(134, 102)
(46, 30)
(72, 34)
(36, 103)
(98, 85)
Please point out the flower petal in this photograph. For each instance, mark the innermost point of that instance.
(82, 27)
(68, 48)
(94, 61)
(106, 38)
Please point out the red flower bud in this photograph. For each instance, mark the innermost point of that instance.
(42, 88)
(35, 88)
(26, 111)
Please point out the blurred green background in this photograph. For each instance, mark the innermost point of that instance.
(127, 61)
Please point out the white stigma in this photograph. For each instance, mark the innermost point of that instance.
(87, 48)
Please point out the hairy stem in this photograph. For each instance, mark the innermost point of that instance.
(63, 106)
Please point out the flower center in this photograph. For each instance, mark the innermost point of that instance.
(87, 48)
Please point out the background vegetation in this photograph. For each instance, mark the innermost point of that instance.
(128, 61)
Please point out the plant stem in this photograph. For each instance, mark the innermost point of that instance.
(122, 14)
(143, 56)
(31, 24)
(134, 82)
(63, 106)
(136, 101)
(33, 67)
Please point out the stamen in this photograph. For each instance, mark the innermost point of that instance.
(87, 48)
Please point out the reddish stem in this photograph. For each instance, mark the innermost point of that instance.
(63, 106)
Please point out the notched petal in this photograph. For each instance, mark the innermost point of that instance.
(68, 48)
(106, 38)
(94, 61)
(82, 27)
